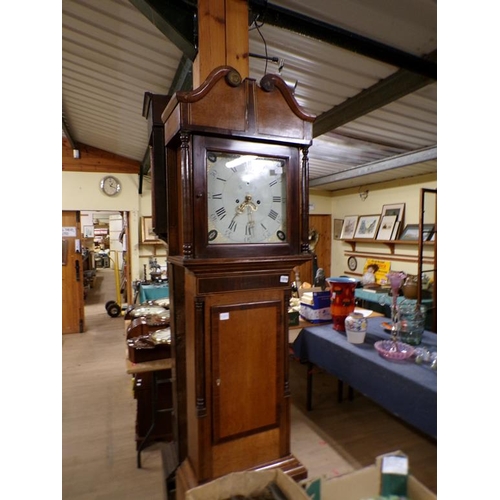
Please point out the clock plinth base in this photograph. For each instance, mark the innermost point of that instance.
(185, 478)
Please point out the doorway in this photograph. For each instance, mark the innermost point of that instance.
(106, 243)
(103, 259)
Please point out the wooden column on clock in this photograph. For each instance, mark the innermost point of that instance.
(236, 224)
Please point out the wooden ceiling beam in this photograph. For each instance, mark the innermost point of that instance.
(175, 19)
(222, 38)
(388, 90)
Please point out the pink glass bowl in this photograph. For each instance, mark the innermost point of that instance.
(386, 349)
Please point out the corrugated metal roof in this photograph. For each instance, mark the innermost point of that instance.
(112, 54)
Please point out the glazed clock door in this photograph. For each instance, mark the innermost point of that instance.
(246, 198)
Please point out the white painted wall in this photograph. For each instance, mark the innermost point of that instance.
(348, 202)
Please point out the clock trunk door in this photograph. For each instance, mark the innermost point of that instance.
(245, 363)
(248, 404)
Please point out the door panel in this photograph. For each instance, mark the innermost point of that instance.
(240, 344)
(72, 275)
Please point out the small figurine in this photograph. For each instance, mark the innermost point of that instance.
(320, 279)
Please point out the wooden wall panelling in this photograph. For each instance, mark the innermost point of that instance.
(96, 160)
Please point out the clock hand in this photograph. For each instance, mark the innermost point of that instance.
(251, 222)
(247, 203)
(250, 211)
(250, 207)
(239, 210)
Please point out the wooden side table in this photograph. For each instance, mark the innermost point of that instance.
(161, 371)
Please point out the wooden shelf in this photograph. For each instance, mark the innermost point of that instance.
(391, 244)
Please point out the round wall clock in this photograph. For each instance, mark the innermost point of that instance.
(110, 185)
(246, 198)
(352, 263)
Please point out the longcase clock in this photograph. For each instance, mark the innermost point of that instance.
(237, 198)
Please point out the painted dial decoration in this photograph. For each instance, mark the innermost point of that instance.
(246, 198)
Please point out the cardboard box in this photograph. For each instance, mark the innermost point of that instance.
(315, 297)
(247, 483)
(313, 315)
(365, 484)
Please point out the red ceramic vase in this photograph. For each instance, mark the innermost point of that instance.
(342, 300)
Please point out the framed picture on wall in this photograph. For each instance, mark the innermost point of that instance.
(428, 231)
(396, 230)
(397, 209)
(411, 232)
(367, 226)
(337, 228)
(147, 233)
(349, 227)
(386, 227)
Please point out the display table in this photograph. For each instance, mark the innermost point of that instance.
(153, 291)
(406, 389)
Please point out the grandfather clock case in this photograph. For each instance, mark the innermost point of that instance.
(236, 224)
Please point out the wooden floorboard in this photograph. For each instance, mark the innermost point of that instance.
(98, 411)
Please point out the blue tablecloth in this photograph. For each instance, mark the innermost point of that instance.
(404, 388)
(153, 292)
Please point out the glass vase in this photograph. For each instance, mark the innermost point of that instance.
(396, 279)
(411, 322)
